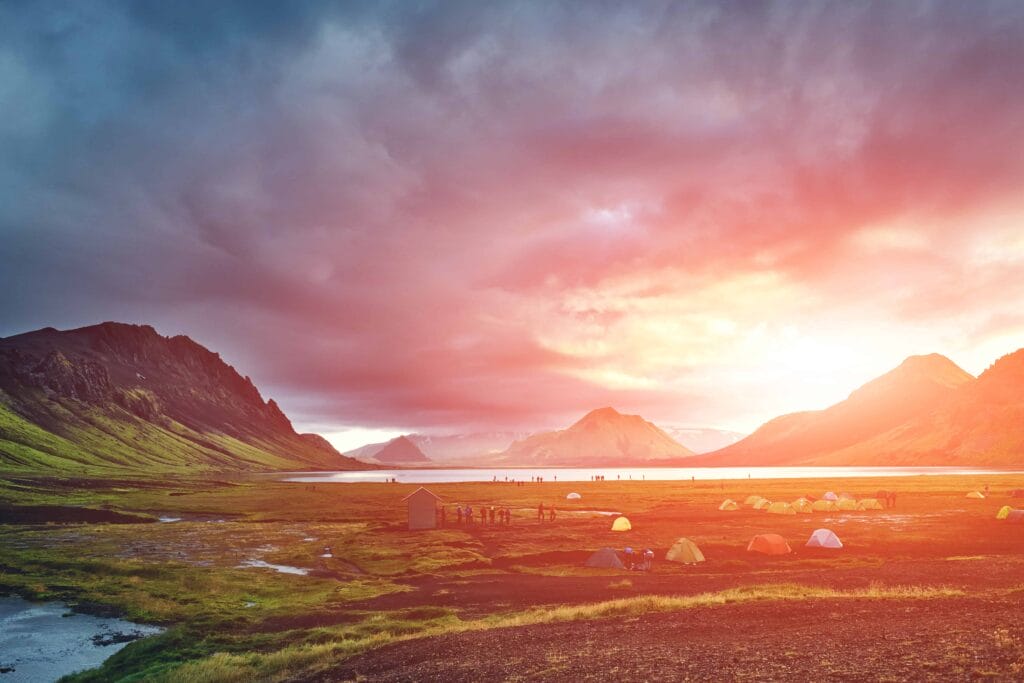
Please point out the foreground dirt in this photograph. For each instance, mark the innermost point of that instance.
(906, 640)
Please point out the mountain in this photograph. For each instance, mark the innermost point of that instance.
(703, 439)
(915, 389)
(476, 448)
(116, 397)
(982, 425)
(603, 437)
(400, 451)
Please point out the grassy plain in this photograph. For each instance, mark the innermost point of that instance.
(387, 589)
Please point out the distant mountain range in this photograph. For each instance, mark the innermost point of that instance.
(602, 437)
(400, 451)
(116, 396)
(703, 439)
(927, 411)
(487, 448)
(475, 448)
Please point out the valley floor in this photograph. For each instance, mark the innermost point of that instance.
(931, 588)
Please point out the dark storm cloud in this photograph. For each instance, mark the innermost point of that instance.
(384, 212)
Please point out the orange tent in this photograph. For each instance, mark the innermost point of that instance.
(769, 544)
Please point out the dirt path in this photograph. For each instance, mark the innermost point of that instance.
(952, 639)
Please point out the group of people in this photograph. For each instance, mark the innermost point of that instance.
(464, 514)
(637, 561)
(540, 513)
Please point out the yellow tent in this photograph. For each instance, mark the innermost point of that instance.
(823, 505)
(728, 504)
(621, 524)
(802, 505)
(869, 504)
(975, 494)
(762, 504)
(781, 508)
(752, 500)
(686, 551)
(846, 504)
(1004, 512)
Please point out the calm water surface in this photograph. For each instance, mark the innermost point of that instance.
(434, 476)
(42, 641)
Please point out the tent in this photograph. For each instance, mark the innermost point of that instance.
(752, 500)
(605, 558)
(824, 538)
(975, 494)
(762, 504)
(573, 496)
(1004, 512)
(830, 496)
(869, 504)
(846, 496)
(823, 505)
(621, 524)
(781, 508)
(803, 505)
(846, 504)
(728, 504)
(1015, 516)
(769, 544)
(686, 551)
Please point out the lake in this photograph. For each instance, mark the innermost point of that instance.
(568, 474)
(42, 641)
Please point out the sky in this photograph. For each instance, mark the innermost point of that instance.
(461, 216)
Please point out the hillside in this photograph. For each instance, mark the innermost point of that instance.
(983, 425)
(400, 451)
(122, 397)
(920, 385)
(603, 437)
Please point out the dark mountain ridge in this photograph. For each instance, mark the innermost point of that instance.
(119, 395)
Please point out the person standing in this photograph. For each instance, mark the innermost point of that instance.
(491, 514)
(540, 512)
(551, 515)
(458, 515)
(483, 515)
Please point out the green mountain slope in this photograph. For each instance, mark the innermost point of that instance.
(115, 397)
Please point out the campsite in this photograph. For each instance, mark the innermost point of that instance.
(932, 584)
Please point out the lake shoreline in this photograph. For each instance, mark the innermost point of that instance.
(585, 474)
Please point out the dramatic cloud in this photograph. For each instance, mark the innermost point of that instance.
(465, 215)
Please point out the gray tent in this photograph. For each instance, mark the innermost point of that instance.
(606, 558)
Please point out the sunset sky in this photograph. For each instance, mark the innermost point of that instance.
(463, 216)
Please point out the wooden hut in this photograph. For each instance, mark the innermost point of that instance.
(422, 509)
